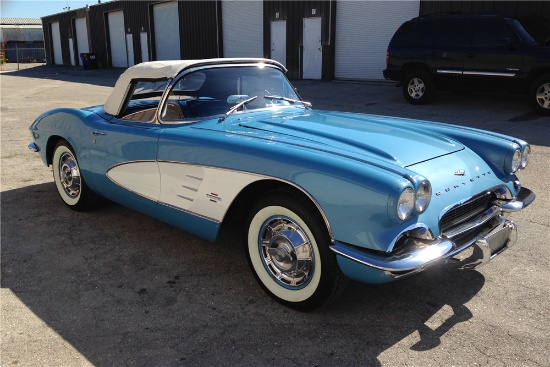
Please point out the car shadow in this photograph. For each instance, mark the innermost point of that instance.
(124, 289)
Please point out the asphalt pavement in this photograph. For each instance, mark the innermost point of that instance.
(113, 287)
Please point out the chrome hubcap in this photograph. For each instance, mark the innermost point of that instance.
(543, 96)
(286, 252)
(416, 88)
(69, 175)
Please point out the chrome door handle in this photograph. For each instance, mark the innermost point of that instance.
(95, 133)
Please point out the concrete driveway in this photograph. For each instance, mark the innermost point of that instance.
(113, 287)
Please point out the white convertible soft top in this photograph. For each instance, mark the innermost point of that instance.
(164, 70)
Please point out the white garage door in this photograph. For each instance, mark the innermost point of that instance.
(81, 36)
(363, 31)
(56, 43)
(243, 32)
(167, 31)
(117, 37)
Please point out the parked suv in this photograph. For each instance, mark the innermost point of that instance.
(468, 52)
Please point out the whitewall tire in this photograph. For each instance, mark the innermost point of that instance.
(288, 251)
(68, 179)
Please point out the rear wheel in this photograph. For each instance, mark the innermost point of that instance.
(68, 179)
(418, 87)
(539, 95)
(288, 251)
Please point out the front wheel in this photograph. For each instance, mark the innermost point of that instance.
(288, 251)
(539, 95)
(68, 179)
(418, 87)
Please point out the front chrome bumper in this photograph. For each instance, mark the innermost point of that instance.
(496, 234)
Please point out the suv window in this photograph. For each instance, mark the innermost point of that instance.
(535, 33)
(489, 33)
(414, 34)
(454, 33)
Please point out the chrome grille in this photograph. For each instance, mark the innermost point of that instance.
(469, 209)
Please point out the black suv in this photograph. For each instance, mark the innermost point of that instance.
(465, 52)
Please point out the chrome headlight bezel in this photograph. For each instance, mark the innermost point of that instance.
(405, 203)
(525, 156)
(423, 197)
(515, 162)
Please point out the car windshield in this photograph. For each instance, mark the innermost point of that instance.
(214, 91)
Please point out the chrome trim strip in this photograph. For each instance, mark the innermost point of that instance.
(473, 72)
(473, 223)
(489, 73)
(190, 188)
(443, 71)
(188, 212)
(185, 198)
(500, 190)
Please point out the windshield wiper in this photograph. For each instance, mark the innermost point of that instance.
(236, 107)
(291, 100)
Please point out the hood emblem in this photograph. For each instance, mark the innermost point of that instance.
(460, 172)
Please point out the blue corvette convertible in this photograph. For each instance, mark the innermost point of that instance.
(323, 196)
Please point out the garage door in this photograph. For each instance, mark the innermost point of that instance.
(81, 36)
(167, 31)
(363, 31)
(56, 43)
(242, 38)
(117, 38)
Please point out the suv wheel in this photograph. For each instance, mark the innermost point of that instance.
(418, 87)
(539, 95)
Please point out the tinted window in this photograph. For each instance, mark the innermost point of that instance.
(489, 33)
(532, 29)
(414, 34)
(454, 33)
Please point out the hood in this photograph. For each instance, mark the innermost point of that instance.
(358, 136)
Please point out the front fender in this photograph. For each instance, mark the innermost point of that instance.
(69, 124)
(352, 195)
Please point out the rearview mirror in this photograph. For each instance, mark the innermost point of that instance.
(237, 98)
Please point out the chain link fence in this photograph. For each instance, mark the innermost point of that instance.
(17, 57)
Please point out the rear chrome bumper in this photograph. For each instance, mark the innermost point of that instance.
(495, 234)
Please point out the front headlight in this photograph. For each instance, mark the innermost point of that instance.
(516, 161)
(405, 204)
(423, 197)
(525, 157)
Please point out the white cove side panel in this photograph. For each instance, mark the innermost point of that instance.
(205, 191)
(363, 31)
(142, 178)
